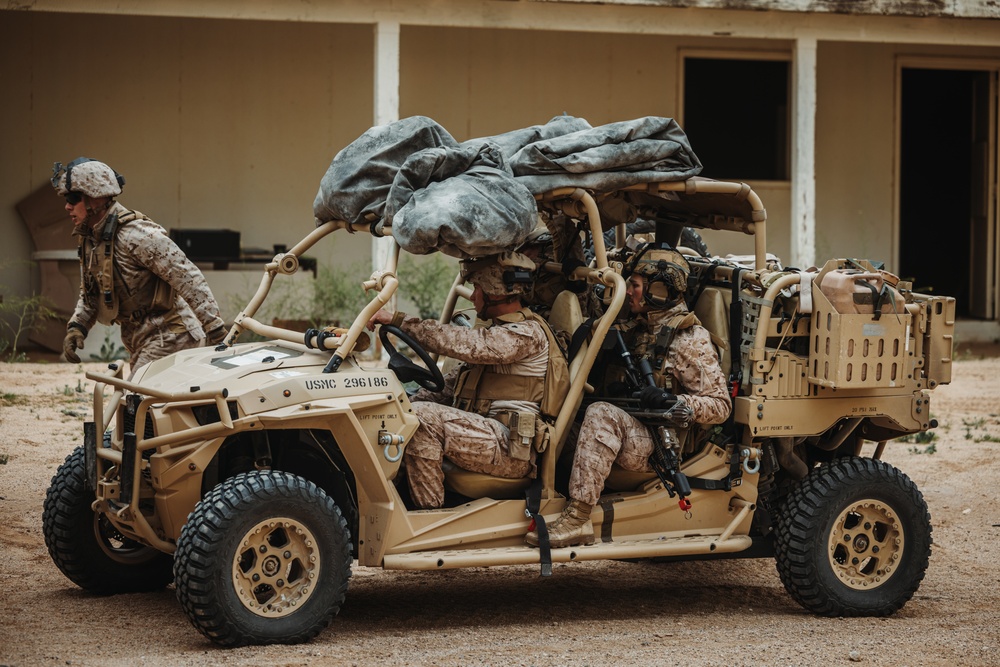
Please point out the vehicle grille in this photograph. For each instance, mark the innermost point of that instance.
(128, 418)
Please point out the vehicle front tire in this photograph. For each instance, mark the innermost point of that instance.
(264, 558)
(87, 547)
(853, 539)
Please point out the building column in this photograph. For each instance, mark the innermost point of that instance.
(386, 104)
(803, 241)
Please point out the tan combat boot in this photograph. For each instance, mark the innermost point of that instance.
(573, 527)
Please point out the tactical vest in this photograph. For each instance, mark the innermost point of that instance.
(477, 387)
(655, 346)
(116, 301)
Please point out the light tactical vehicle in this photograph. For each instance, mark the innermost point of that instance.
(254, 475)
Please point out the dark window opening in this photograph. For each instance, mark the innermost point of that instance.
(935, 181)
(736, 116)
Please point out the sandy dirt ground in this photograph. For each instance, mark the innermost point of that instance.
(724, 613)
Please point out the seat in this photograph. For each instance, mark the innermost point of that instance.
(565, 316)
(620, 479)
(712, 310)
(480, 485)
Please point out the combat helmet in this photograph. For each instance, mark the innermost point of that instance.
(539, 236)
(509, 273)
(87, 176)
(665, 270)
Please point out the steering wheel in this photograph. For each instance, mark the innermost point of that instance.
(429, 378)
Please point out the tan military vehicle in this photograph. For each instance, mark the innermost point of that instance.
(254, 475)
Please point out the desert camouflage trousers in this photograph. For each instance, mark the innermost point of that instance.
(468, 440)
(157, 344)
(608, 435)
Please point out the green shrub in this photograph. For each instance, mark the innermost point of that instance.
(110, 351)
(426, 282)
(338, 296)
(19, 317)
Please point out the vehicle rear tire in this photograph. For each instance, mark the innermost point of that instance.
(87, 547)
(853, 539)
(264, 558)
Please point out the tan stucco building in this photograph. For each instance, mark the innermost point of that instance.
(869, 128)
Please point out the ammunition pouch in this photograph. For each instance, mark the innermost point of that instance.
(476, 388)
(526, 432)
(163, 296)
(466, 387)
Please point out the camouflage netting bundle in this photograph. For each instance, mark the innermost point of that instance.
(463, 202)
(608, 157)
(513, 141)
(434, 194)
(476, 198)
(357, 182)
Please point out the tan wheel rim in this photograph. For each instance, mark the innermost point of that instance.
(866, 544)
(275, 567)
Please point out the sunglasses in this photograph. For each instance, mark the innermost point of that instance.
(73, 198)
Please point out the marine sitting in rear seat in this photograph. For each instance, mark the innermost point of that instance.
(690, 382)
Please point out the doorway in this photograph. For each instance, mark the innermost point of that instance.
(947, 212)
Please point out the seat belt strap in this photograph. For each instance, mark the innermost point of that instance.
(532, 504)
(579, 336)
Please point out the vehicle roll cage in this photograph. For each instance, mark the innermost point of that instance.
(703, 203)
(700, 199)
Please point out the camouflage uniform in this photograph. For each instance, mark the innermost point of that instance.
(142, 253)
(610, 435)
(471, 441)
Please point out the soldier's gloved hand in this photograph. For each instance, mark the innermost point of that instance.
(654, 398)
(216, 335)
(681, 414)
(76, 335)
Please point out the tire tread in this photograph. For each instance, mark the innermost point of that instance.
(196, 559)
(66, 515)
(797, 535)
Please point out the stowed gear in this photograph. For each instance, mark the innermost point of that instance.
(665, 270)
(509, 273)
(90, 177)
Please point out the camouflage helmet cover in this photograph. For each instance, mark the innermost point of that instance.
(665, 270)
(507, 273)
(90, 177)
(540, 235)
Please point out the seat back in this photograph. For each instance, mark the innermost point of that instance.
(712, 310)
(566, 317)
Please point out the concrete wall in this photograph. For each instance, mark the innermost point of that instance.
(922, 8)
(478, 82)
(231, 123)
(214, 124)
(854, 150)
(856, 143)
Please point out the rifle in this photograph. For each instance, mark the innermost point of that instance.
(665, 444)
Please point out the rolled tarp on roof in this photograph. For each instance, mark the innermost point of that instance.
(461, 201)
(476, 198)
(608, 157)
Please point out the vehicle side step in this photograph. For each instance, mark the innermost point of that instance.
(525, 555)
